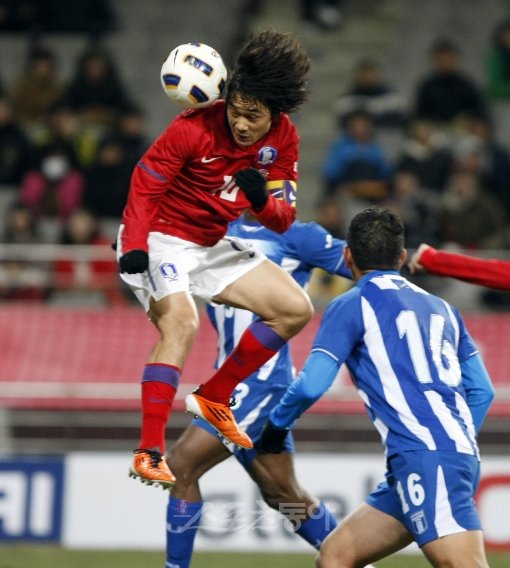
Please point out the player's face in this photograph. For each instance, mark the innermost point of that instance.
(248, 120)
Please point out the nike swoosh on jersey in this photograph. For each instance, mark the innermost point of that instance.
(205, 160)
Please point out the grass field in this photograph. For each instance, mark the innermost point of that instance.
(51, 557)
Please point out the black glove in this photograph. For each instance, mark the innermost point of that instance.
(272, 440)
(134, 262)
(253, 183)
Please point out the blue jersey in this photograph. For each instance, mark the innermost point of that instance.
(404, 348)
(298, 251)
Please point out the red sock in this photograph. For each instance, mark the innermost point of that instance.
(256, 346)
(159, 386)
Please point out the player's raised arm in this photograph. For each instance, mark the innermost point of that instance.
(492, 273)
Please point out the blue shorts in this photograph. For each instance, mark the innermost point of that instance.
(254, 401)
(430, 492)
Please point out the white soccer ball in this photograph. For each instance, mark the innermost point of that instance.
(193, 75)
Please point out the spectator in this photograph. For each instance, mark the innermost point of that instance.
(96, 92)
(330, 216)
(446, 93)
(107, 180)
(63, 127)
(356, 170)
(19, 279)
(54, 189)
(132, 134)
(478, 151)
(92, 17)
(85, 274)
(498, 63)
(37, 88)
(322, 14)
(427, 153)
(370, 92)
(471, 217)
(417, 206)
(356, 163)
(15, 147)
(20, 16)
(325, 14)
(20, 225)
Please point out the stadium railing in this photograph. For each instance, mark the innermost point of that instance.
(84, 342)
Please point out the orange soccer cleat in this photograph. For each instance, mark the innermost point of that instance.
(220, 417)
(150, 467)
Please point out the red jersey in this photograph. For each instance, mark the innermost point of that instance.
(183, 185)
(481, 271)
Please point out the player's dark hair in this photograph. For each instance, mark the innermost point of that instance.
(376, 239)
(272, 68)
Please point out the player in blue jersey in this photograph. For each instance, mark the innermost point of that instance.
(427, 392)
(299, 250)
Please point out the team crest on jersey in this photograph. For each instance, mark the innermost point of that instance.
(169, 271)
(419, 522)
(267, 155)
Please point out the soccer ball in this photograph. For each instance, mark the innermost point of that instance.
(193, 75)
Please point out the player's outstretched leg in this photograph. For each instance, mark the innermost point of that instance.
(176, 319)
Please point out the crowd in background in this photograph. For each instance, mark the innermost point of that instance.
(68, 147)
(436, 159)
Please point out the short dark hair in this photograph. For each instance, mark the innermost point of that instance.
(272, 68)
(376, 239)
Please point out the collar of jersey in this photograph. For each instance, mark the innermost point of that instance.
(366, 277)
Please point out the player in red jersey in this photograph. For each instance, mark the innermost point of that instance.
(200, 174)
(484, 272)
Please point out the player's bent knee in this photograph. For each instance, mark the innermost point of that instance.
(274, 501)
(302, 312)
(325, 560)
(330, 556)
(306, 309)
(277, 495)
(186, 324)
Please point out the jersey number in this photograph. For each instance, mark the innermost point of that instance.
(441, 348)
(229, 189)
(241, 391)
(415, 492)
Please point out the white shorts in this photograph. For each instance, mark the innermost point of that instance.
(176, 265)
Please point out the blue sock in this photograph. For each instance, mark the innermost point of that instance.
(316, 528)
(183, 519)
